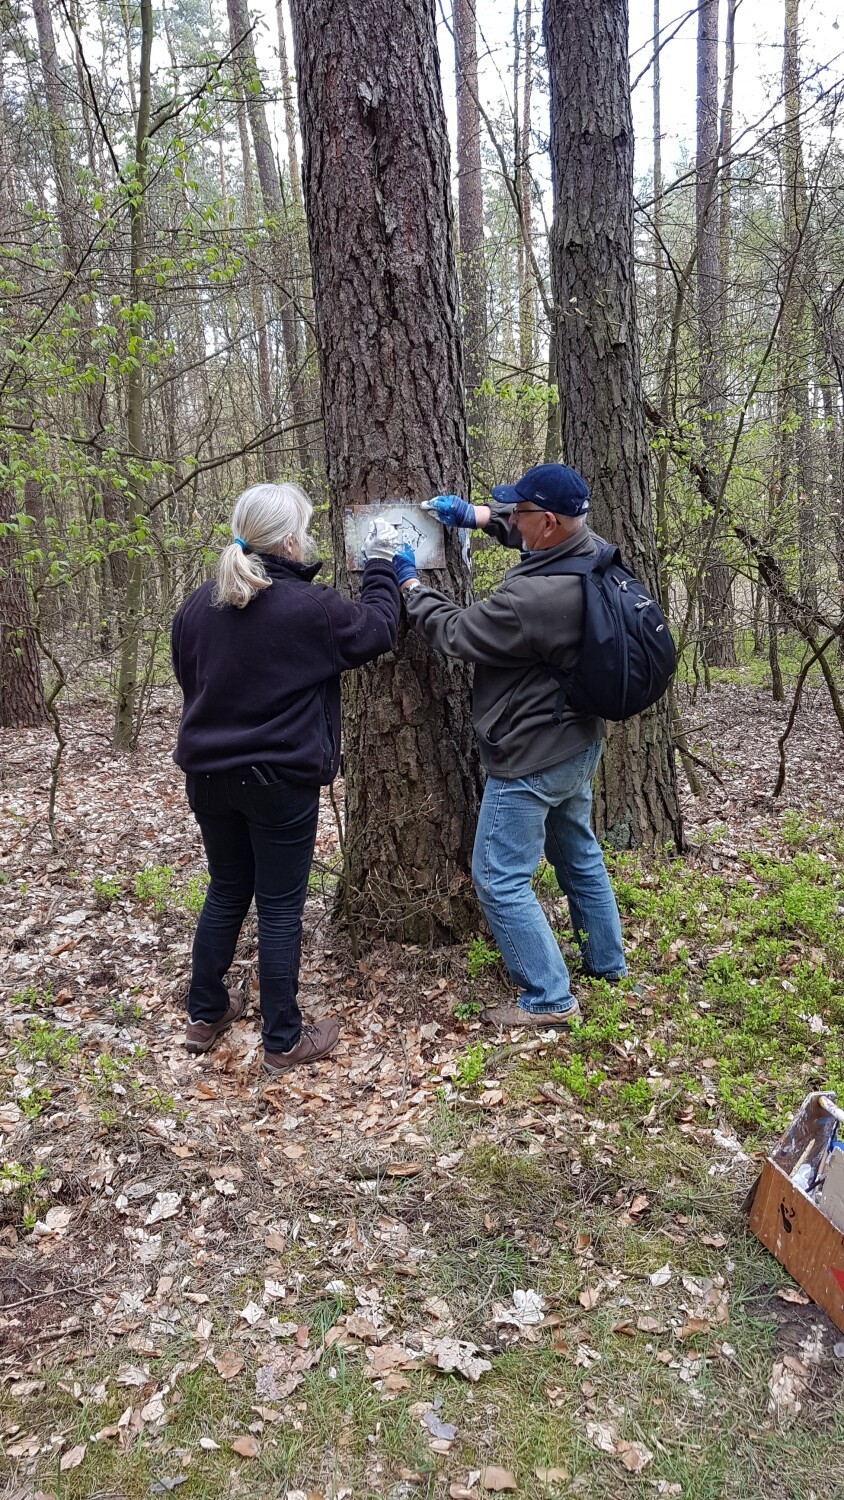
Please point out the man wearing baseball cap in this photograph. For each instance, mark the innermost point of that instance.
(540, 762)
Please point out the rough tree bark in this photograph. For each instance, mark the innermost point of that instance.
(659, 260)
(834, 446)
(724, 225)
(271, 454)
(21, 689)
(299, 246)
(130, 622)
(376, 182)
(470, 202)
(290, 123)
(793, 484)
(527, 285)
(74, 233)
(716, 583)
(598, 364)
(246, 69)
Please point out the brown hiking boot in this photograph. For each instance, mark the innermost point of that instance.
(316, 1041)
(200, 1036)
(508, 1017)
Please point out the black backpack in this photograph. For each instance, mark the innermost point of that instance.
(627, 656)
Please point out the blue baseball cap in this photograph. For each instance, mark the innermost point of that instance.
(553, 487)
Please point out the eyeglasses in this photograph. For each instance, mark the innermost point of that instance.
(529, 510)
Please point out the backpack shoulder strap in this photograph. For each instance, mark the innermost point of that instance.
(605, 556)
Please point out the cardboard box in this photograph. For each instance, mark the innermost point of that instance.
(786, 1220)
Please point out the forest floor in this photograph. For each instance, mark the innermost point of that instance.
(441, 1263)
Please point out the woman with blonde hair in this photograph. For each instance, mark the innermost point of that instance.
(258, 654)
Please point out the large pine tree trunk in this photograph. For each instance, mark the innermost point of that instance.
(470, 200)
(598, 363)
(376, 181)
(716, 583)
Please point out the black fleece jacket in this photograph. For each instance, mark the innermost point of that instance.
(261, 684)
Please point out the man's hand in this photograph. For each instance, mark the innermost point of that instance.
(382, 540)
(450, 510)
(404, 564)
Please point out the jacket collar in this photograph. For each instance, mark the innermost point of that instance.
(581, 544)
(285, 567)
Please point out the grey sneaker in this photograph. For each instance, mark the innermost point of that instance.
(508, 1017)
(200, 1036)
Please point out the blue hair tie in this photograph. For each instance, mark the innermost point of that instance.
(239, 542)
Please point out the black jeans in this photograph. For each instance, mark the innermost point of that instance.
(259, 840)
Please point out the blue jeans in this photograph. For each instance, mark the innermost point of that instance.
(549, 810)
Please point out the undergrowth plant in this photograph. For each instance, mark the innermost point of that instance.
(157, 886)
(22, 1193)
(470, 1066)
(44, 1043)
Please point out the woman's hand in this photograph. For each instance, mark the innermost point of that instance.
(382, 540)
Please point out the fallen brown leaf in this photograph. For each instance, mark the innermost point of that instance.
(548, 1478)
(634, 1456)
(359, 1327)
(693, 1327)
(651, 1325)
(589, 1297)
(787, 1385)
(497, 1480)
(455, 1356)
(229, 1365)
(404, 1169)
(791, 1294)
(73, 1458)
(247, 1446)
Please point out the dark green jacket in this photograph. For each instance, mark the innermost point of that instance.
(529, 623)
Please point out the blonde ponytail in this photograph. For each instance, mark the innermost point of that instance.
(240, 576)
(270, 518)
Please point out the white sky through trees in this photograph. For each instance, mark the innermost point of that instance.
(759, 42)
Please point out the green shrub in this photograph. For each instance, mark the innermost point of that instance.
(470, 1066)
(155, 884)
(45, 1043)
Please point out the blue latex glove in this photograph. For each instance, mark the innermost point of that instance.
(450, 510)
(404, 564)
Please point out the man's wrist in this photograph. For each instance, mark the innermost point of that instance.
(482, 515)
(409, 583)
